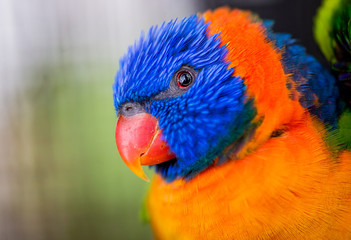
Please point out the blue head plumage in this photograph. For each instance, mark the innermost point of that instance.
(200, 123)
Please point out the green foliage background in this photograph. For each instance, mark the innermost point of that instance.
(61, 177)
(77, 187)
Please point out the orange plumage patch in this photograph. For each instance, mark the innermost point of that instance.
(258, 62)
(288, 187)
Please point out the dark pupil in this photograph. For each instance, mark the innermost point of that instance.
(184, 79)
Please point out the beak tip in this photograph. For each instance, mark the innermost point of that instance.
(139, 142)
(140, 173)
(143, 176)
(136, 168)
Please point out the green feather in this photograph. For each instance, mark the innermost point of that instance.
(342, 35)
(345, 128)
(323, 26)
(333, 32)
(144, 213)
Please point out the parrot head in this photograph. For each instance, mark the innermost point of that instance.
(195, 93)
(178, 103)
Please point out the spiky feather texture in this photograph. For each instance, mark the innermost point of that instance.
(213, 114)
(150, 63)
(286, 182)
(292, 185)
(209, 116)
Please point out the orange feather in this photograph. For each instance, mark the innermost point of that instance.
(258, 62)
(288, 187)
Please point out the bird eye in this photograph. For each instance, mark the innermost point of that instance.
(184, 79)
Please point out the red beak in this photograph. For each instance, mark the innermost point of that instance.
(139, 142)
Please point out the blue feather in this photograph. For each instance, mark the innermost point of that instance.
(314, 83)
(199, 124)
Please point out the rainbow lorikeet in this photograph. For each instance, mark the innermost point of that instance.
(249, 135)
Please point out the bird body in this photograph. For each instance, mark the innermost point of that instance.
(290, 188)
(246, 132)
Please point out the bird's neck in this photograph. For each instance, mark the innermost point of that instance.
(267, 191)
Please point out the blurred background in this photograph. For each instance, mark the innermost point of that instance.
(60, 173)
